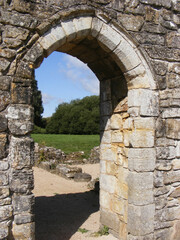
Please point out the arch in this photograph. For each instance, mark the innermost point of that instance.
(128, 125)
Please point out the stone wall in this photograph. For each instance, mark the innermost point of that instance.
(133, 48)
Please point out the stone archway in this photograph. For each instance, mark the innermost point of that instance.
(129, 106)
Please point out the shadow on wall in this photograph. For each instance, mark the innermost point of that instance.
(60, 216)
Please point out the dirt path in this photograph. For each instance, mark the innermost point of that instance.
(63, 206)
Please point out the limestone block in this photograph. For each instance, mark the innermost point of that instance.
(158, 179)
(4, 179)
(176, 164)
(173, 128)
(5, 212)
(110, 219)
(144, 123)
(4, 64)
(173, 80)
(166, 152)
(4, 165)
(3, 141)
(25, 70)
(141, 160)
(125, 56)
(23, 218)
(104, 123)
(171, 113)
(128, 124)
(175, 193)
(140, 191)
(120, 206)
(20, 112)
(111, 168)
(4, 230)
(171, 177)
(107, 183)
(117, 136)
(116, 122)
(18, 127)
(106, 137)
(7, 53)
(24, 231)
(4, 99)
(121, 189)
(21, 152)
(21, 181)
(105, 199)
(103, 166)
(139, 139)
(5, 83)
(131, 22)
(167, 214)
(96, 26)
(69, 29)
(82, 26)
(22, 203)
(109, 37)
(108, 154)
(134, 111)
(3, 121)
(21, 94)
(35, 55)
(53, 40)
(4, 192)
(141, 219)
(122, 160)
(174, 67)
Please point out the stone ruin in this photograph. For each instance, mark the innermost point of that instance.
(133, 47)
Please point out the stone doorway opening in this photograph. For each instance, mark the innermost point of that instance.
(129, 106)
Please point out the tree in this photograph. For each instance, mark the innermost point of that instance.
(37, 104)
(76, 117)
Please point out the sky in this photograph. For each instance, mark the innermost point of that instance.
(62, 78)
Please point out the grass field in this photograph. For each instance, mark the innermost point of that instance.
(68, 143)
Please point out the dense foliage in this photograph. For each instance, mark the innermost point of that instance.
(37, 104)
(76, 117)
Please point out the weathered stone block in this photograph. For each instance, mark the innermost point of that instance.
(21, 152)
(141, 219)
(24, 231)
(20, 112)
(173, 128)
(35, 55)
(158, 179)
(171, 113)
(107, 183)
(108, 153)
(166, 152)
(110, 219)
(4, 64)
(105, 199)
(4, 230)
(117, 136)
(23, 218)
(131, 22)
(5, 212)
(173, 80)
(171, 177)
(4, 165)
(82, 26)
(139, 138)
(22, 203)
(3, 141)
(4, 192)
(25, 70)
(3, 121)
(4, 99)
(7, 53)
(96, 26)
(53, 40)
(140, 191)
(5, 83)
(176, 164)
(106, 137)
(20, 127)
(21, 181)
(116, 122)
(21, 94)
(141, 160)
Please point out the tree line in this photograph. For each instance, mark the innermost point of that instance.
(80, 116)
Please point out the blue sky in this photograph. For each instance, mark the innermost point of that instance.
(62, 78)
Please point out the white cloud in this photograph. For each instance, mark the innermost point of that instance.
(46, 98)
(80, 74)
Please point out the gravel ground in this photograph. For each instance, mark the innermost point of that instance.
(63, 206)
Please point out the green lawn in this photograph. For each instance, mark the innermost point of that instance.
(68, 143)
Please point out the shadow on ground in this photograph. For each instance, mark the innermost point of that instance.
(60, 216)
